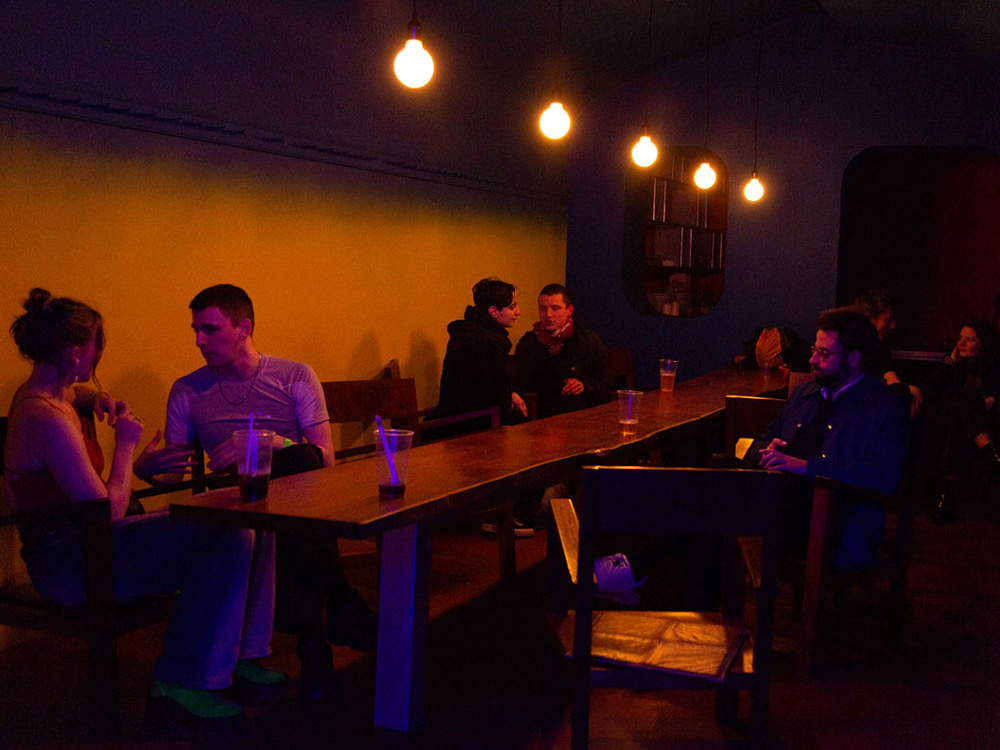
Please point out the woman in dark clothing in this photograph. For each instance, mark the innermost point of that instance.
(965, 385)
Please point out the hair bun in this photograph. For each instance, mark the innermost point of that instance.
(38, 298)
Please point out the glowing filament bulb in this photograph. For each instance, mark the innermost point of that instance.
(644, 151)
(705, 176)
(414, 66)
(753, 190)
(554, 121)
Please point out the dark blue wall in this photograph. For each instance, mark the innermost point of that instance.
(822, 101)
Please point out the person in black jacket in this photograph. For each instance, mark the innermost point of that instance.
(965, 386)
(474, 375)
(563, 363)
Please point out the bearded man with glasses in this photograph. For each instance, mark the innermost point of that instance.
(846, 425)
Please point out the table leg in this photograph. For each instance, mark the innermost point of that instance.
(402, 627)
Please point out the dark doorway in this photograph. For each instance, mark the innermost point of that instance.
(924, 223)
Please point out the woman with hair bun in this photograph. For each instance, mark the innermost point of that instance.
(222, 619)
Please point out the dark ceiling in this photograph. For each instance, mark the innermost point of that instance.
(605, 41)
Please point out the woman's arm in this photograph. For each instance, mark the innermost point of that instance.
(88, 400)
(58, 443)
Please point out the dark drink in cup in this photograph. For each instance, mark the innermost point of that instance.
(253, 486)
(391, 490)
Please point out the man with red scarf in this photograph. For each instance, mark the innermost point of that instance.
(564, 364)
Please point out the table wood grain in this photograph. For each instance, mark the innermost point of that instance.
(448, 477)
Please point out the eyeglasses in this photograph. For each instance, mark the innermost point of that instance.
(825, 354)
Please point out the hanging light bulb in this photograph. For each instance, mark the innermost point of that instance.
(414, 65)
(554, 121)
(644, 151)
(753, 191)
(705, 176)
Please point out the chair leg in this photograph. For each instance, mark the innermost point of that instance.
(102, 668)
(727, 706)
(758, 717)
(505, 538)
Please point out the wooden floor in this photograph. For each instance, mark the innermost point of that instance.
(496, 679)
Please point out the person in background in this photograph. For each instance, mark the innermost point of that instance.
(563, 363)
(877, 307)
(223, 616)
(964, 387)
(474, 374)
(847, 425)
(208, 405)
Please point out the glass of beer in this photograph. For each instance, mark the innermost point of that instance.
(628, 411)
(668, 374)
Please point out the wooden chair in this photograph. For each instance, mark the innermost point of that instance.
(747, 417)
(620, 365)
(672, 650)
(358, 401)
(99, 621)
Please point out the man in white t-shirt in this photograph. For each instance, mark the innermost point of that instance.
(207, 405)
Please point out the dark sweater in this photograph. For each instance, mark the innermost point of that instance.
(583, 357)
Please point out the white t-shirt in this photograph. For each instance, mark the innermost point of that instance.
(285, 397)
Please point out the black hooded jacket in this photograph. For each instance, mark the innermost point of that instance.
(474, 375)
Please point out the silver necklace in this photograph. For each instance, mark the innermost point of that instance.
(253, 382)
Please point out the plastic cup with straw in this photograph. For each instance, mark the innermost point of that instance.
(253, 460)
(392, 451)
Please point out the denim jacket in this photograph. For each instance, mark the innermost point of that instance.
(867, 439)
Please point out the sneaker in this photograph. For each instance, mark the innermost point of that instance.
(351, 623)
(615, 580)
(521, 529)
(179, 710)
(254, 685)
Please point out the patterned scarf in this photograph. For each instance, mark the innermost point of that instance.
(554, 341)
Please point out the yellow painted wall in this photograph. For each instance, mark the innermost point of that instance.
(346, 269)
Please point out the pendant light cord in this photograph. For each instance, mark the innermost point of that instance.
(756, 114)
(559, 52)
(649, 65)
(708, 69)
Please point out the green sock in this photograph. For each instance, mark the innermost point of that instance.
(251, 671)
(201, 703)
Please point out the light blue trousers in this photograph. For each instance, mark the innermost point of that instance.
(225, 608)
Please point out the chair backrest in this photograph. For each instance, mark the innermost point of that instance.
(657, 501)
(748, 417)
(620, 365)
(723, 502)
(358, 401)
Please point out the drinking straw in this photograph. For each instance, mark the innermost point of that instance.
(393, 476)
(251, 448)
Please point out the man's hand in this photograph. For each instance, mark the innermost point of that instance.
(516, 402)
(916, 400)
(171, 459)
(222, 456)
(773, 458)
(572, 387)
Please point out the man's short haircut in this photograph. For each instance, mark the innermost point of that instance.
(550, 289)
(854, 331)
(874, 303)
(492, 292)
(230, 299)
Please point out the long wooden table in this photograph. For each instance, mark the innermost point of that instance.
(445, 478)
